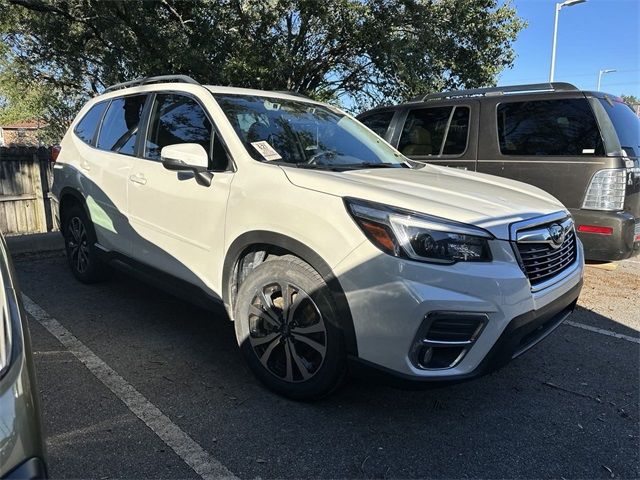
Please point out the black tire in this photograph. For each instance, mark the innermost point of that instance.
(79, 242)
(304, 351)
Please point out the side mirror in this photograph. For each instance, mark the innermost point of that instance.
(187, 157)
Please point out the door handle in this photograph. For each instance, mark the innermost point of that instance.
(85, 165)
(138, 178)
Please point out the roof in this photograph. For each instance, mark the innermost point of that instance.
(161, 82)
(26, 124)
(218, 89)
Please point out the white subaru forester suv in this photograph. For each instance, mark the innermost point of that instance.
(331, 252)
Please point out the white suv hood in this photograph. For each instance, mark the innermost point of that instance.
(486, 201)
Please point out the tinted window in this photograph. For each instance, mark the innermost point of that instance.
(627, 125)
(176, 119)
(378, 122)
(548, 127)
(119, 129)
(86, 128)
(425, 129)
(456, 142)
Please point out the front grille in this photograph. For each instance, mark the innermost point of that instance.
(541, 261)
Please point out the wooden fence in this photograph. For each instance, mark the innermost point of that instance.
(25, 180)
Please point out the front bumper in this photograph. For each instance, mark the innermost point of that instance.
(522, 333)
(617, 246)
(390, 299)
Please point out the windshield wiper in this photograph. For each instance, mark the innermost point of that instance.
(339, 167)
(370, 165)
(315, 166)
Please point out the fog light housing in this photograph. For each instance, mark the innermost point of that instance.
(444, 338)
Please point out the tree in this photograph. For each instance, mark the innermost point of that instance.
(630, 99)
(355, 52)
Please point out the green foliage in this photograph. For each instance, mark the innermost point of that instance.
(631, 99)
(355, 52)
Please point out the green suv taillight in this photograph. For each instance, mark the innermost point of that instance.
(606, 190)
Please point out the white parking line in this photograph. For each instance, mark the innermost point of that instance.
(602, 331)
(185, 447)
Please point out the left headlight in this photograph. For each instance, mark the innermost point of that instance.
(416, 236)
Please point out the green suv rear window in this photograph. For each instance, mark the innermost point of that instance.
(563, 127)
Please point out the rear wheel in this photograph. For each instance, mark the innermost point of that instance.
(286, 326)
(80, 240)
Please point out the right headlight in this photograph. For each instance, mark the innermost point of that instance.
(416, 236)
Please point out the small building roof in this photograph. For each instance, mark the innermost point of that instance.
(26, 124)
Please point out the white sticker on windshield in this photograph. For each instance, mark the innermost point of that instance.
(266, 150)
(588, 151)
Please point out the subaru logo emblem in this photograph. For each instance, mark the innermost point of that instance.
(556, 235)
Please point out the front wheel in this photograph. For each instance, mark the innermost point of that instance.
(287, 330)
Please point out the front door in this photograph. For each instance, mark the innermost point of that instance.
(179, 223)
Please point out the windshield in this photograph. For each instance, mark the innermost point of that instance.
(627, 125)
(304, 134)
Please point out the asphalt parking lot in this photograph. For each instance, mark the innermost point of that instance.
(567, 409)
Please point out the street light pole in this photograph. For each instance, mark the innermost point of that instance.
(555, 42)
(602, 72)
(566, 3)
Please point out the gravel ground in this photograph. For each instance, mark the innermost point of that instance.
(566, 409)
(614, 293)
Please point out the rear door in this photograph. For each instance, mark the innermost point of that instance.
(110, 164)
(552, 143)
(443, 134)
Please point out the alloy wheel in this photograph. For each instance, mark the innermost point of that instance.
(287, 332)
(77, 244)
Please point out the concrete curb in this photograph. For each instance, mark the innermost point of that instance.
(37, 242)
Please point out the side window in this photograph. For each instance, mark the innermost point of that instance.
(458, 133)
(86, 128)
(548, 127)
(119, 129)
(378, 122)
(176, 119)
(435, 131)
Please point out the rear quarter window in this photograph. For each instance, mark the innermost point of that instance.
(563, 127)
(626, 124)
(86, 128)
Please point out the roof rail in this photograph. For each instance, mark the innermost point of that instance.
(490, 91)
(148, 80)
(293, 93)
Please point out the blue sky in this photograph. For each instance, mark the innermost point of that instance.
(595, 35)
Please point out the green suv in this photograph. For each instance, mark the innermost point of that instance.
(582, 147)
